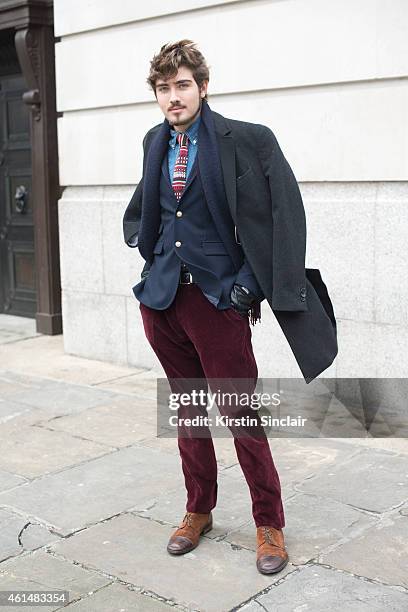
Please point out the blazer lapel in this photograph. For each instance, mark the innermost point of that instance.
(227, 157)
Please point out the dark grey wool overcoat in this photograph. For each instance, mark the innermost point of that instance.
(267, 211)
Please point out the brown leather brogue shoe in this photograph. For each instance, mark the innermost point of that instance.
(187, 536)
(271, 555)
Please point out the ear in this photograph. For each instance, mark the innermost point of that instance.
(203, 93)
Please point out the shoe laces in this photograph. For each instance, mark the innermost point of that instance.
(188, 519)
(268, 535)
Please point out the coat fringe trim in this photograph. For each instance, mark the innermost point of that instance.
(255, 313)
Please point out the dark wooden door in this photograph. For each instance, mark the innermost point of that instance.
(17, 264)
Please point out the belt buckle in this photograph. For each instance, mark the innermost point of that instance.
(189, 281)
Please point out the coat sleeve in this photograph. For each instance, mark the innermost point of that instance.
(133, 212)
(289, 227)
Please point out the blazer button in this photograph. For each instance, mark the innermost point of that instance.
(177, 243)
(303, 292)
(179, 213)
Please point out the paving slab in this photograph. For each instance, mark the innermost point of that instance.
(35, 451)
(18, 534)
(9, 481)
(9, 336)
(298, 459)
(36, 536)
(116, 596)
(313, 524)
(225, 452)
(44, 356)
(393, 445)
(10, 527)
(10, 410)
(29, 416)
(319, 589)
(233, 507)
(9, 385)
(200, 580)
(224, 449)
(141, 383)
(12, 382)
(63, 398)
(120, 422)
(14, 329)
(97, 489)
(380, 553)
(371, 480)
(43, 571)
(160, 444)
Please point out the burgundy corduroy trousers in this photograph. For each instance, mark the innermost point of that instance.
(194, 340)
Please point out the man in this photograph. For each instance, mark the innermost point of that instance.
(219, 220)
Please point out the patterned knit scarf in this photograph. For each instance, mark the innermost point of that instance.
(210, 137)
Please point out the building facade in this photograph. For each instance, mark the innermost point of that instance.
(330, 80)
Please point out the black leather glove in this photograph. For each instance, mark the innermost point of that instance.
(242, 299)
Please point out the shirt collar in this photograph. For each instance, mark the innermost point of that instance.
(192, 133)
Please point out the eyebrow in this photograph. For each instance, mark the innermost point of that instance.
(177, 82)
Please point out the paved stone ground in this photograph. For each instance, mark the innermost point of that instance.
(89, 497)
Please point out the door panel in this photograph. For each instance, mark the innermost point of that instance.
(17, 263)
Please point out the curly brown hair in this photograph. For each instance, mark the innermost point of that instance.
(165, 64)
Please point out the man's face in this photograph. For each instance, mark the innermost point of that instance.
(180, 92)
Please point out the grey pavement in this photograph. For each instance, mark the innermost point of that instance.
(89, 497)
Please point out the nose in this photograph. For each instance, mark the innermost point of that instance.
(174, 99)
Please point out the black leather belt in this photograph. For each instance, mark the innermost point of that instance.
(185, 276)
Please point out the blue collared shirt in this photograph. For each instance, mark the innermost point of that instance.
(174, 147)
